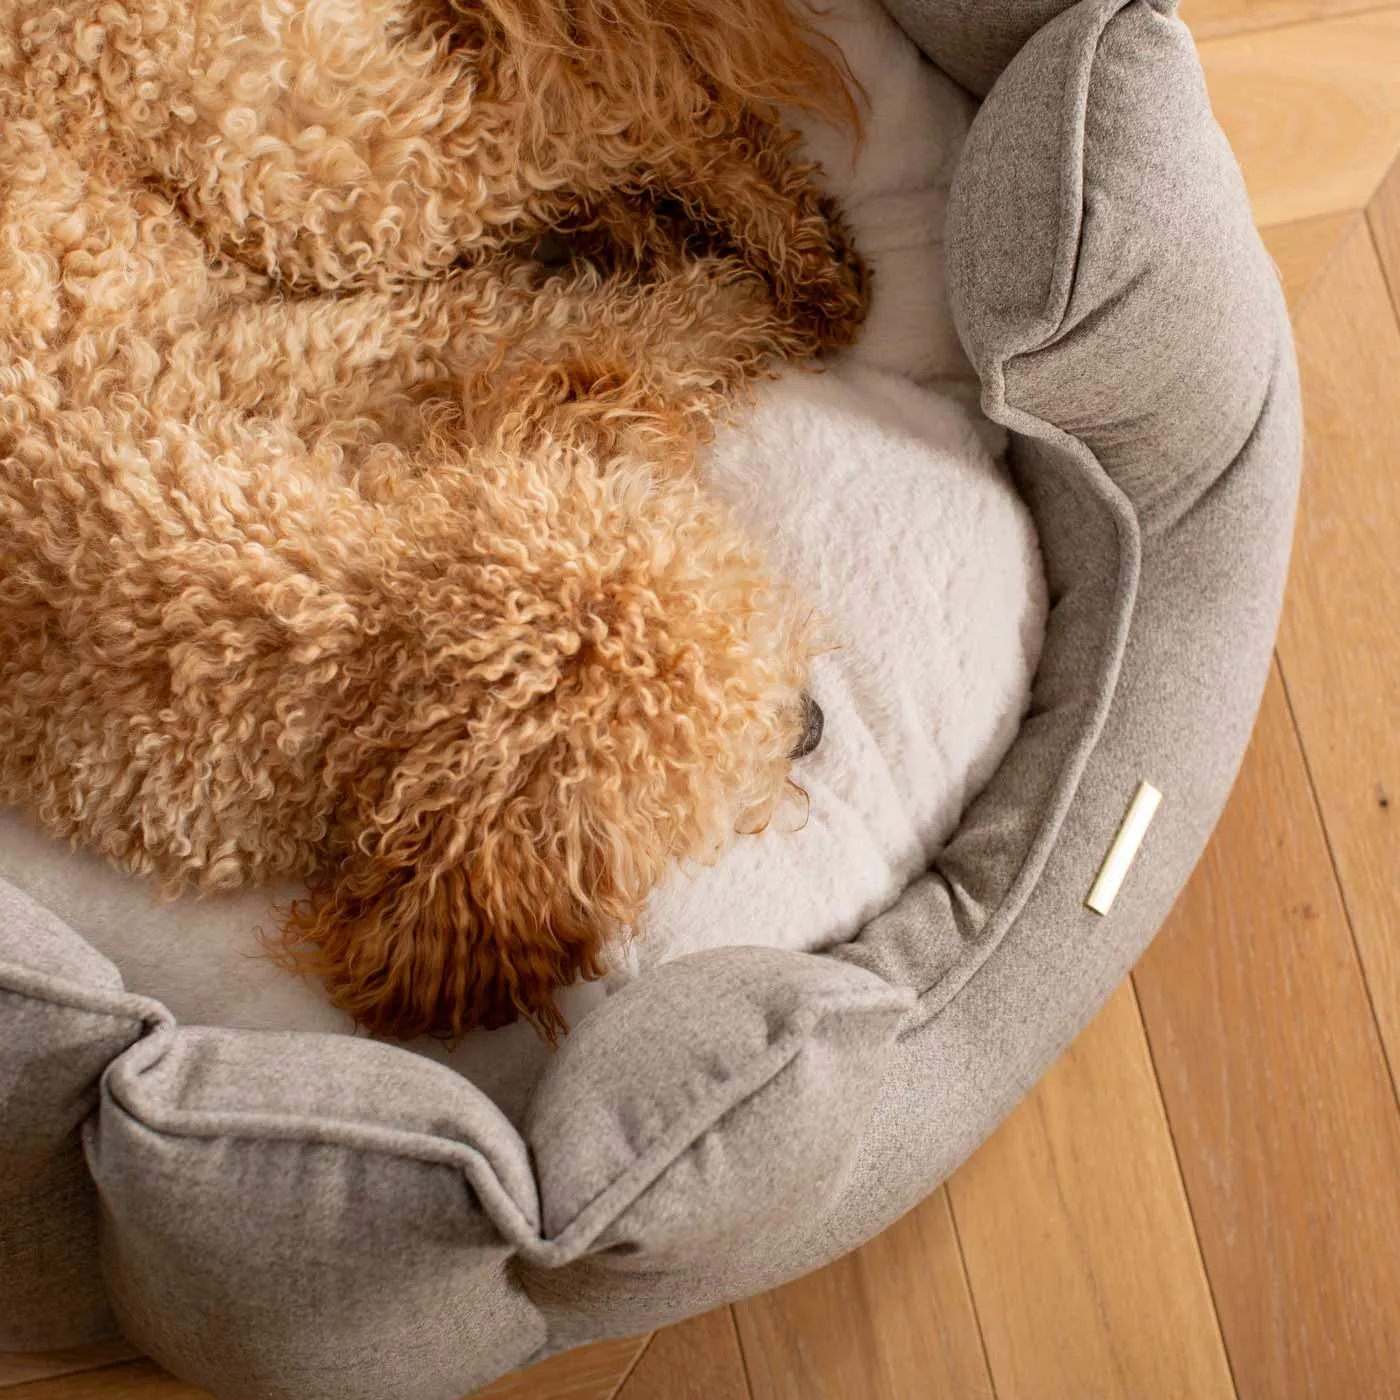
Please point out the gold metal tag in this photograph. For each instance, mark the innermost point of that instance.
(1121, 853)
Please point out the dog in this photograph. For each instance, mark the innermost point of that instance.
(353, 361)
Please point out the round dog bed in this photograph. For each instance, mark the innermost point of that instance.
(307, 1215)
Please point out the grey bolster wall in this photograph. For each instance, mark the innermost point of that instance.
(307, 1217)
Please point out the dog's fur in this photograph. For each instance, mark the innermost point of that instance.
(341, 539)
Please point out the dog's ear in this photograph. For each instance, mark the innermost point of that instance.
(606, 680)
(469, 895)
(438, 919)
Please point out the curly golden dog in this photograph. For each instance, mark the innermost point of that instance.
(353, 359)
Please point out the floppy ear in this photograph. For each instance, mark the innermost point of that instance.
(439, 920)
(492, 867)
(577, 707)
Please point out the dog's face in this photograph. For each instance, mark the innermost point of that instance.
(612, 683)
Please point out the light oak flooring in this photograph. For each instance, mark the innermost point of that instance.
(1202, 1199)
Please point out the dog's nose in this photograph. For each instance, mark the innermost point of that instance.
(813, 722)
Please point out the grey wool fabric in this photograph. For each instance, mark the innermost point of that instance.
(974, 40)
(305, 1217)
(63, 1020)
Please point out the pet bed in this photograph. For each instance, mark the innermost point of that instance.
(303, 1215)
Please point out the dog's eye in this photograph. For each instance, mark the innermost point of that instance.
(550, 250)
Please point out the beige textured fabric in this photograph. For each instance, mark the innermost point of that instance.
(299, 1216)
(63, 1020)
(974, 40)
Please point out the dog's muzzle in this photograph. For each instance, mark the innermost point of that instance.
(813, 722)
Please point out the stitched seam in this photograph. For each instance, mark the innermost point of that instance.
(1094, 482)
(402, 1143)
(995, 926)
(412, 1145)
(97, 1001)
(785, 1052)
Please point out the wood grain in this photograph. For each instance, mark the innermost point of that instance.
(1340, 642)
(1301, 251)
(590, 1373)
(695, 1360)
(1272, 1074)
(893, 1321)
(17, 1366)
(1385, 228)
(1312, 111)
(138, 1380)
(1079, 1246)
(1209, 18)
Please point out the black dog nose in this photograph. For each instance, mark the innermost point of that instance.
(813, 722)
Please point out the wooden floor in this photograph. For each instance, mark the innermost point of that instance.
(1202, 1199)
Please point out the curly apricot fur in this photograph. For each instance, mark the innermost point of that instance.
(342, 541)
